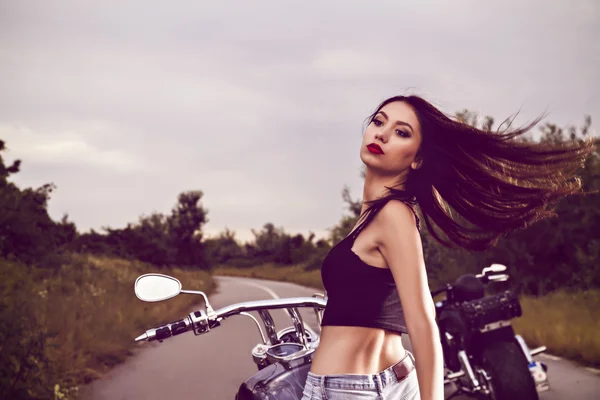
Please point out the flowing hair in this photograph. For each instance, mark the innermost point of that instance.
(475, 185)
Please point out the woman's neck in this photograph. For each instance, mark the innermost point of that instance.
(375, 186)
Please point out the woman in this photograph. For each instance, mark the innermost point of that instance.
(474, 186)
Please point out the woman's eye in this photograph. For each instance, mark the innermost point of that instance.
(402, 133)
(377, 122)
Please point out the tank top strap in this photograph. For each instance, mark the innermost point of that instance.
(411, 203)
(412, 208)
(357, 231)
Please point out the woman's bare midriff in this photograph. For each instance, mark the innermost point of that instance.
(356, 350)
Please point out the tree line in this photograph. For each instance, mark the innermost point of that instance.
(28, 235)
(561, 252)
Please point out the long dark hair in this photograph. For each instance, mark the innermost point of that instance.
(475, 185)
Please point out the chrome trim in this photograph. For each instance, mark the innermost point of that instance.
(275, 358)
(486, 388)
(493, 268)
(299, 325)
(263, 307)
(453, 376)
(464, 360)
(211, 319)
(495, 325)
(262, 335)
(310, 334)
(259, 355)
(209, 310)
(260, 350)
(319, 313)
(299, 354)
(269, 326)
(302, 352)
(538, 350)
(269, 304)
(524, 348)
(200, 324)
(498, 278)
(149, 335)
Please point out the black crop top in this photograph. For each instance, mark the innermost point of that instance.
(359, 294)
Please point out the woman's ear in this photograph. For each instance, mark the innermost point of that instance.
(417, 163)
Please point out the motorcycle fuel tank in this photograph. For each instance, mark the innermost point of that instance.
(276, 382)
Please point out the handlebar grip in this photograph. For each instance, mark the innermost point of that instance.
(163, 333)
(172, 329)
(178, 327)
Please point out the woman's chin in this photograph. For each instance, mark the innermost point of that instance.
(372, 167)
(369, 158)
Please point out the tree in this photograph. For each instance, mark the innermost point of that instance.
(156, 239)
(560, 252)
(27, 233)
(344, 227)
(271, 244)
(223, 248)
(185, 229)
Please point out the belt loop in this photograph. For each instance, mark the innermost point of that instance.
(378, 384)
(411, 357)
(323, 394)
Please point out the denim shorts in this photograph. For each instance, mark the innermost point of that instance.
(383, 385)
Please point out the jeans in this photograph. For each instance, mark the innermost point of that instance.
(383, 385)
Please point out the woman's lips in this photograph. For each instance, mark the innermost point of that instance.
(375, 149)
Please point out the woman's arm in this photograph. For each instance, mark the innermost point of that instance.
(400, 244)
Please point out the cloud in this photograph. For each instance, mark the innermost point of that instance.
(351, 63)
(67, 148)
(261, 105)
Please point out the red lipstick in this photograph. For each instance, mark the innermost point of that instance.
(374, 148)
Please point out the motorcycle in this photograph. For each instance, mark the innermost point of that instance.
(482, 355)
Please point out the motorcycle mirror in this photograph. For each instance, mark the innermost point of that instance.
(494, 268)
(156, 287)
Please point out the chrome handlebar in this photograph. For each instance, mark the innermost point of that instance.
(201, 322)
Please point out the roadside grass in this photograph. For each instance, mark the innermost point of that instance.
(566, 323)
(67, 326)
(294, 273)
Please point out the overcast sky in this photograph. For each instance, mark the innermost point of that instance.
(260, 104)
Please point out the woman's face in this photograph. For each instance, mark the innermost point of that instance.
(396, 130)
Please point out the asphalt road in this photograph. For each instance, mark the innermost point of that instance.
(212, 366)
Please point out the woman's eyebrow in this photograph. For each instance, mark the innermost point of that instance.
(398, 122)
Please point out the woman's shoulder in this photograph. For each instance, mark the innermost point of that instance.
(398, 213)
(397, 208)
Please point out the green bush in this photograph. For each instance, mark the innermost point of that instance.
(63, 327)
(23, 337)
